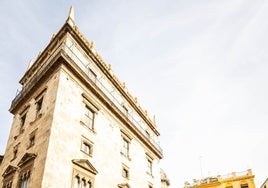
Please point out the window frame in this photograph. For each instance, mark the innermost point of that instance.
(88, 106)
(149, 165)
(125, 145)
(32, 138)
(39, 104)
(79, 173)
(8, 176)
(25, 175)
(88, 117)
(23, 117)
(86, 142)
(244, 185)
(15, 151)
(125, 171)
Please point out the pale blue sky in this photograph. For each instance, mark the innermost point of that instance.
(199, 66)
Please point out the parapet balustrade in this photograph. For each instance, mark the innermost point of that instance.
(97, 81)
(218, 178)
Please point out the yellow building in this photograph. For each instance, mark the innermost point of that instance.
(234, 180)
(76, 125)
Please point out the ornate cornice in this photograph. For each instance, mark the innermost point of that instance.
(26, 158)
(85, 164)
(9, 170)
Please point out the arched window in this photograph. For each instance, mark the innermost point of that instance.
(76, 182)
(83, 174)
(84, 183)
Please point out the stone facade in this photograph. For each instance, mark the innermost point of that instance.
(76, 125)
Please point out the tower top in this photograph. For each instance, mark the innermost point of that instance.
(70, 19)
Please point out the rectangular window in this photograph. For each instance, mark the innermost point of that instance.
(149, 165)
(32, 140)
(88, 117)
(244, 185)
(125, 147)
(15, 152)
(125, 171)
(22, 122)
(125, 144)
(87, 148)
(39, 104)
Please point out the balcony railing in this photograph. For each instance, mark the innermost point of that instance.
(110, 95)
(218, 178)
(33, 80)
(64, 48)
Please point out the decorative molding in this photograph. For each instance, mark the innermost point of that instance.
(84, 163)
(9, 170)
(26, 158)
(124, 185)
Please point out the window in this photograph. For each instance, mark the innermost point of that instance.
(149, 165)
(125, 147)
(84, 183)
(26, 165)
(125, 144)
(88, 117)
(90, 109)
(32, 139)
(7, 184)
(83, 174)
(76, 181)
(22, 122)
(81, 183)
(24, 181)
(125, 171)
(87, 147)
(8, 176)
(39, 104)
(15, 152)
(244, 185)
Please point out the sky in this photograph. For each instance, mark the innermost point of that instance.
(199, 66)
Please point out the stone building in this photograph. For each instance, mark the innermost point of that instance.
(233, 180)
(76, 125)
(265, 184)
